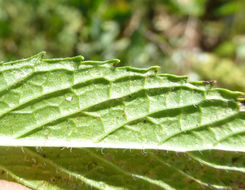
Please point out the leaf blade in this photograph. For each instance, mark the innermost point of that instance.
(75, 103)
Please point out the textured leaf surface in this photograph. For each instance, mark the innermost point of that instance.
(81, 104)
(59, 168)
(74, 103)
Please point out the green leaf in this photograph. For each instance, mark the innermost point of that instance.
(74, 103)
(59, 168)
(54, 103)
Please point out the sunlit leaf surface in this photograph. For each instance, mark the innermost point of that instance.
(84, 105)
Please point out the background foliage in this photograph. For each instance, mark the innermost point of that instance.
(200, 38)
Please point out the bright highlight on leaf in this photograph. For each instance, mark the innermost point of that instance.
(194, 134)
(74, 103)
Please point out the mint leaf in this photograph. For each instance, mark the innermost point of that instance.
(47, 103)
(74, 103)
(59, 168)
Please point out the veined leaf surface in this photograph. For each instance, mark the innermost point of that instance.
(74, 103)
(83, 104)
(82, 168)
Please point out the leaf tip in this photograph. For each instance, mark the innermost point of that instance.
(79, 57)
(155, 68)
(113, 61)
(39, 55)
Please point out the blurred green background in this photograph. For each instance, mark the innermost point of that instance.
(204, 39)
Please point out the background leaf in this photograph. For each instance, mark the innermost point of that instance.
(62, 168)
